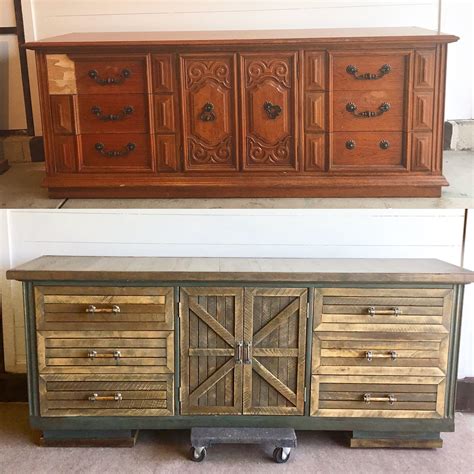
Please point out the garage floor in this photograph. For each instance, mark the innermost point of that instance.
(20, 187)
(167, 451)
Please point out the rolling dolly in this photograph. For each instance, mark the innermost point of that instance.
(283, 438)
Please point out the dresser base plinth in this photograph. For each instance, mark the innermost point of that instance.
(86, 439)
(364, 439)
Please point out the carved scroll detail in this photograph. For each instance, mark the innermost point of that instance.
(221, 153)
(259, 70)
(198, 71)
(277, 153)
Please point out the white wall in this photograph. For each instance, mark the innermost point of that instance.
(28, 234)
(45, 18)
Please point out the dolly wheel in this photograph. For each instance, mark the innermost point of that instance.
(197, 456)
(281, 455)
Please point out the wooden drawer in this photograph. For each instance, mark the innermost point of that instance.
(113, 114)
(364, 70)
(377, 110)
(125, 395)
(71, 308)
(116, 153)
(367, 151)
(412, 397)
(383, 309)
(105, 352)
(110, 75)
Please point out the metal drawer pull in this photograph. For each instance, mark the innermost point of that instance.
(238, 359)
(95, 355)
(208, 114)
(247, 357)
(116, 397)
(97, 111)
(369, 355)
(273, 111)
(368, 76)
(389, 398)
(92, 309)
(94, 75)
(381, 312)
(350, 144)
(100, 147)
(384, 144)
(383, 107)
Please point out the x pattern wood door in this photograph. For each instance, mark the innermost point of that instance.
(211, 328)
(274, 364)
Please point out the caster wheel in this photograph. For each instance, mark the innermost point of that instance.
(279, 456)
(197, 456)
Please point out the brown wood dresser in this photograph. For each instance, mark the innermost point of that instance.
(286, 113)
(117, 344)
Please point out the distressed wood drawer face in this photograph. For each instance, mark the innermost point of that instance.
(401, 397)
(408, 310)
(105, 352)
(75, 308)
(114, 395)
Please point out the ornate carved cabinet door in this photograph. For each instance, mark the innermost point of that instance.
(274, 361)
(211, 350)
(209, 112)
(269, 112)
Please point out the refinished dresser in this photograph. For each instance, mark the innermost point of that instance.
(115, 344)
(285, 113)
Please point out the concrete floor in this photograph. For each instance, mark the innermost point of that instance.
(20, 187)
(167, 451)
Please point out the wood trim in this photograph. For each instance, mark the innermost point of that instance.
(8, 30)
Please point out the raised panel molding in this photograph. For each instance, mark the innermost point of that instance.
(315, 152)
(62, 113)
(164, 114)
(423, 111)
(315, 115)
(315, 70)
(163, 73)
(65, 153)
(421, 151)
(425, 61)
(167, 154)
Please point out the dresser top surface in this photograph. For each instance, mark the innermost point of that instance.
(327, 35)
(377, 270)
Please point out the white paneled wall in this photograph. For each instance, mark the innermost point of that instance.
(237, 233)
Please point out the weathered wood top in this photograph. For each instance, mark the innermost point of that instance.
(230, 37)
(329, 270)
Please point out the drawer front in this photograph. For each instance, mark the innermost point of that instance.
(369, 70)
(113, 113)
(269, 111)
(367, 151)
(209, 109)
(116, 153)
(377, 110)
(107, 308)
(105, 352)
(110, 75)
(106, 395)
(383, 309)
(415, 397)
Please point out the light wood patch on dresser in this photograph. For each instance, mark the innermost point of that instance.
(61, 74)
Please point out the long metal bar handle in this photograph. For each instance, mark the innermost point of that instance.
(238, 359)
(247, 356)
(369, 355)
(93, 354)
(389, 398)
(92, 309)
(371, 311)
(116, 397)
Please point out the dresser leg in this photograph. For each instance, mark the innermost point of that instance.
(392, 439)
(83, 438)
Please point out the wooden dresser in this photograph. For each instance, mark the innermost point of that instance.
(289, 113)
(116, 344)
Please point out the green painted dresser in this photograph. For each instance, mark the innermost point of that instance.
(118, 344)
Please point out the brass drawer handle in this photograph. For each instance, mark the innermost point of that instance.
(372, 311)
(238, 359)
(208, 114)
(383, 107)
(116, 397)
(93, 354)
(368, 76)
(370, 355)
(108, 81)
(92, 309)
(389, 398)
(100, 147)
(272, 110)
(97, 111)
(247, 356)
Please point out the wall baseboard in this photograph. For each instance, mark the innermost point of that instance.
(465, 395)
(459, 135)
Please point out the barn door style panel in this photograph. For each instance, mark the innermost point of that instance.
(274, 351)
(269, 111)
(211, 350)
(209, 112)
